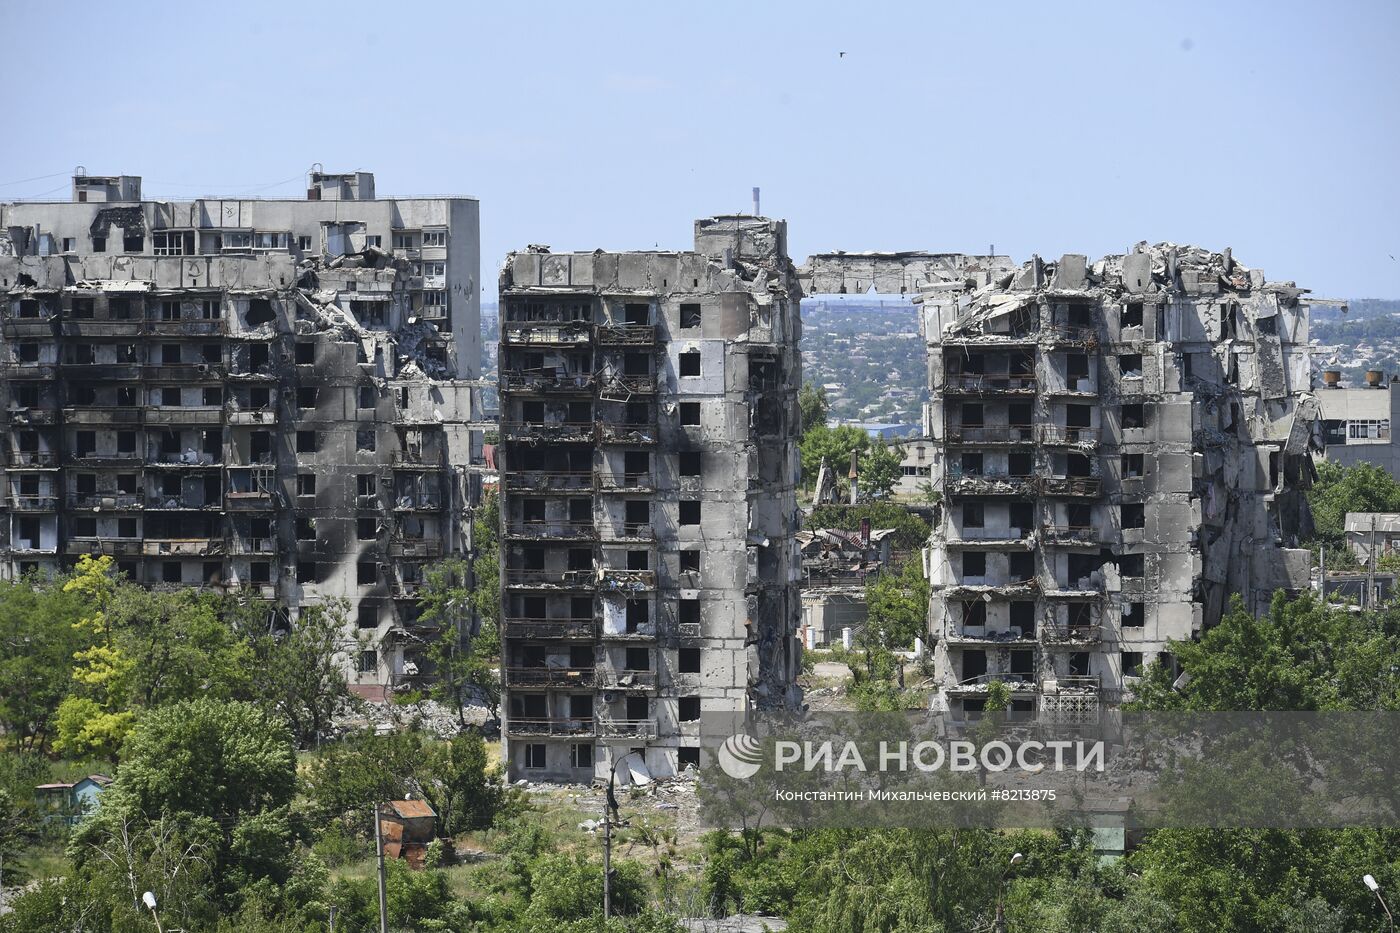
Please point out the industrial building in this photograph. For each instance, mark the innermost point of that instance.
(1120, 447)
(648, 456)
(268, 395)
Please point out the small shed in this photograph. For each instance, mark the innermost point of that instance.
(69, 802)
(407, 826)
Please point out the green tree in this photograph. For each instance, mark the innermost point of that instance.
(462, 788)
(38, 638)
(228, 764)
(812, 401)
(1338, 490)
(897, 607)
(345, 776)
(462, 662)
(1301, 655)
(297, 673)
(834, 445)
(880, 470)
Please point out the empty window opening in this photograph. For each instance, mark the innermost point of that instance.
(1130, 365)
(1132, 416)
(690, 363)
(690, 316)
(1132, 514)
(1132, 315)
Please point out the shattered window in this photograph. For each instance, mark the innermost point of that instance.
(1134, 615)
(690, 316)
(1132, 416)
(1130, 365)
(365, 440)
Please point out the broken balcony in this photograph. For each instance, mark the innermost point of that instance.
(987, 435)
(545, 334)
(545, 676)
(563, 727)
(551, 629)
(1071, 486)
(1065, 435)
(103, 414)
(551, 380)
(577, 579)
(1070, 634)
(174, 414)
(559, 529)
(559, 432)
(1023, 684)
(35, 503)
(961, 483)
(109, 547)
(627, 680)
(626, 335)
(626, 728)
(985, 384)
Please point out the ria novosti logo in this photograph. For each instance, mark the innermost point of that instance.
(740, 756)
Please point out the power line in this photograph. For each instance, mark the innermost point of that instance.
(35, 178)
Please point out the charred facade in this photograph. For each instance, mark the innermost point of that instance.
(266, 395)
(649, 466)
(1120, 447)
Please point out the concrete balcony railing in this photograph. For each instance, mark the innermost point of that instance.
(32, 503)
(629, 385)
(546, 480)
(617, 481)
(627, 728)
(105, 500)
(548, 381)
(989, 485)
(1071, 486)
(559, 432)
(979, 434)
(564, 531)
(414, 547)
(182, 547)
(239, 545)
(1070, 634)
(688, 629)
(1072, 683)
(618, 579)
(567, 579)
(1070, 534)
(110, 547)
(626, 531)
(254, 500)
(93, 414)
(628, 680)
(212, 414)
(568, 677)
(989, 384)
(416, 459)
(530, 727)
(21, 416)
(32, 458)
(630, 434)
(552, 629)
(518, 334)
(1068, 435)
(626, 335)
(1018, 683)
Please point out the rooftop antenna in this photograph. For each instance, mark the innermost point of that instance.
(756, 211)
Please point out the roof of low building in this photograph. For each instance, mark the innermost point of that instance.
(411, 809)
(1388, 522)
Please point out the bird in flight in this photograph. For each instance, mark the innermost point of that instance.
(841, 54)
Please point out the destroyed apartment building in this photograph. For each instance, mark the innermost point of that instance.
(251, 394)
(1120, 448)
(650, 566)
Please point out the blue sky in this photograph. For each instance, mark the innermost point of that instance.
(1273, 128)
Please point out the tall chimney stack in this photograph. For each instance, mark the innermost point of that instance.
(756, 211)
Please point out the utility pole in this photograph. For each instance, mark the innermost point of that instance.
(383, 894)
(1371, 568)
